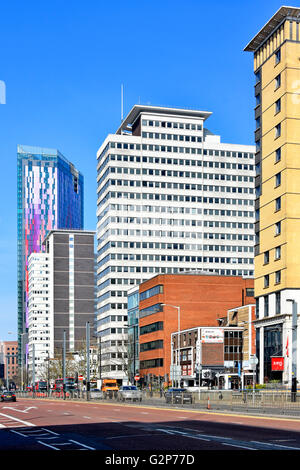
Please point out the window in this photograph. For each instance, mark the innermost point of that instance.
(277, 81)
(277, 303)
(278, 252)
(257, 76)
(266, 305)
(278, 131)
(277, 106)
(278, 155)
(278, 179)
(266, 257)
(278, 228)
(277, 56)
(278, 203)
(266, 280)
(277, 277)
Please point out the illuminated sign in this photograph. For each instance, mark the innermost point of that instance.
(277, 363)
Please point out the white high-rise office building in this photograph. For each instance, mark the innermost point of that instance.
(171, 198)
(40, 323)
(61, 296)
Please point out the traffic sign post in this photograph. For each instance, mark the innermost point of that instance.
(175, 373)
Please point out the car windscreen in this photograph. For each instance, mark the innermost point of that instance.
(129, 388)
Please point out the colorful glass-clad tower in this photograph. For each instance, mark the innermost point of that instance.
(50, 196)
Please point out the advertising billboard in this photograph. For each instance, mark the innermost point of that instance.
(212, 335)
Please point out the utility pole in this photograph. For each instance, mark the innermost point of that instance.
(33, 370)
(64, 365)
(99, 356)
(87, 361)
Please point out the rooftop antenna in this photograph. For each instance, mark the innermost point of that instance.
(122, 101)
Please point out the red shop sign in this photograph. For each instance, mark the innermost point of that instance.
(277, 363)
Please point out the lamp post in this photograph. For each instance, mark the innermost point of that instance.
(294, 349)
(178, 342)
(87, 360)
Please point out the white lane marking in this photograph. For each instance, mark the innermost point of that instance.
(277, 445)
(237, 445)
(128, 435)
(47, 445)
(83, 445)
(51, 432)
(19, 433)
(20, 411)
(26, 423)
(87, 417)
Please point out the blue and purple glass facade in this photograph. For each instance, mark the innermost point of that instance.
(50, 196)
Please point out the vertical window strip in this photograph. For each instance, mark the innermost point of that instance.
(71, 292)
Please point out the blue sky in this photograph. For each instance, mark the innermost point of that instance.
(63, 64)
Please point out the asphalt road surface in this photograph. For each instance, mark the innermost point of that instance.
(58, 425)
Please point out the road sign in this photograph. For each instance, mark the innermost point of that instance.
(175, 372)
(136, 377)
(80, 377)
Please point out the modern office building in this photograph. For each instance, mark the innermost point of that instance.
(133, 333)
(170, 304)
(276, 50)
(61, 295)
(171, 198)
(50, 196)
(40, 323)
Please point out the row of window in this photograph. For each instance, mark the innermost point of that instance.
(112, 318)
(159, 289)
(173, 246)
(169, 160)
(184, 174)
(175, 137)
(176, 210)
(267, 305)
(180, 186)
(167, 197)
(277, 279)
(173, 222)
(151, 363)
(172, 234)
(172, 125)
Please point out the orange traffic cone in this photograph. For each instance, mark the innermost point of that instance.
(208, 404)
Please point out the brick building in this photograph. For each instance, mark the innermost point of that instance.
(169, 303)
(9, 361)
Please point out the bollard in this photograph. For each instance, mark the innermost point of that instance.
(208, 403)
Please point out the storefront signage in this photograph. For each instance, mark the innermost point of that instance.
(277, 363)
(212, 335)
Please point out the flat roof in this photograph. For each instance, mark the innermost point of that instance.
(68, 230)
(271, 25)
(137, 109)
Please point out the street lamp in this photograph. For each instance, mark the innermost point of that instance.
(294, 349)
(178, 342)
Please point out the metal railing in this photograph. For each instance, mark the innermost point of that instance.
(272, 401)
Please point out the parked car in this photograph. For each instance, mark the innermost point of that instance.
(129, 392)
(178, 395)
(8, 396)
(96, 393)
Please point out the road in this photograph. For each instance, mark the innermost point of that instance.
(36, 424)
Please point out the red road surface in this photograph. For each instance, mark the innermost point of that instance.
(64, 425)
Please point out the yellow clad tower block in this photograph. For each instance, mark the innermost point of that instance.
(276, 50)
